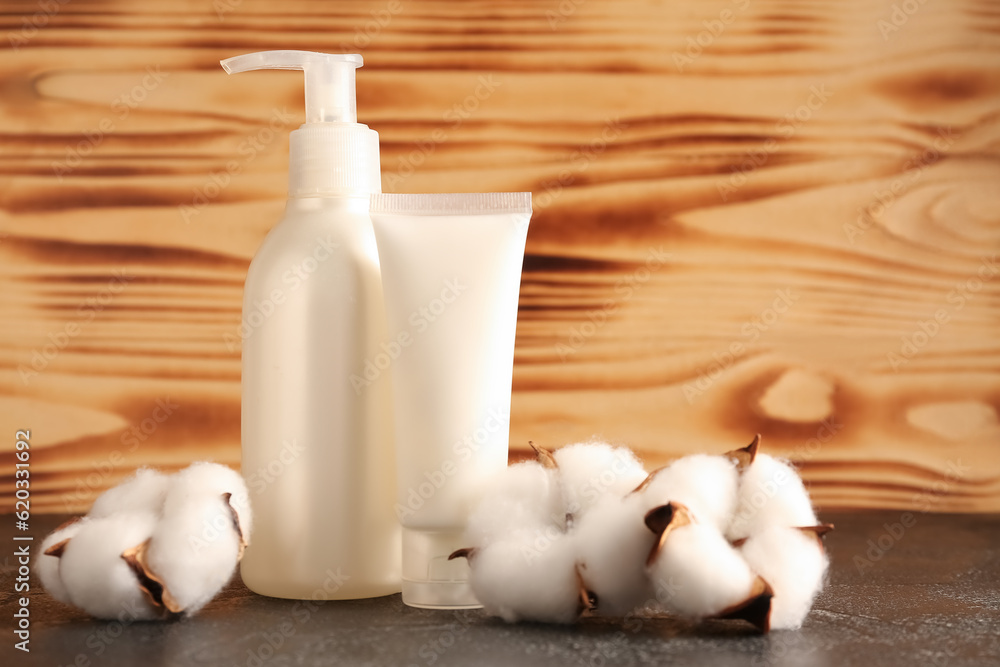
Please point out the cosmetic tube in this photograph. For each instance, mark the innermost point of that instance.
(451, 271)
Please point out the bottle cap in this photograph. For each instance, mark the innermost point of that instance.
(430, 580)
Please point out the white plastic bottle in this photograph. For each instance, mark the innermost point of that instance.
(316, 430)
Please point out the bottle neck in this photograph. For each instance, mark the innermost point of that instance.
(333, 159)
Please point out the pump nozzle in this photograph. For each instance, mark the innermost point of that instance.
(332, 154)
(330, 95)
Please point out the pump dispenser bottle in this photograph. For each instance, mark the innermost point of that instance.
(316, 427)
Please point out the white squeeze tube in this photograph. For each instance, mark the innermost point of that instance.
(451, 271)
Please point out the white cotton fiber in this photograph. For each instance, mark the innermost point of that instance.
(588, 471)
(706, 485)
(142, 492)
(530, 576)
(209, 480)
(770, 494)
(96, 577)
(794, 563)
(524, 495)
(47, 567)
(195, 546)
(613, 543)
(699, 573)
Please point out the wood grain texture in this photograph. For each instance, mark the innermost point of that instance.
(766, 216)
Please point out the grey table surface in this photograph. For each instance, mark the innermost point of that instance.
(927, 594)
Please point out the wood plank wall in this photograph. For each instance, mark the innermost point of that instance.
(774, 216)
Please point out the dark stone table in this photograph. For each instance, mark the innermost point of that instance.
(927, 594)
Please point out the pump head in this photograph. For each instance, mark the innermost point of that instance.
(330, 94)
(331, 154)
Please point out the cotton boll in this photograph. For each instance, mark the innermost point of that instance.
(794, 563)
(530, 576)
(524, 495)
(211, 480)
(700, 572)
(142, 492)
(47, 566)
(196, 545)
(96, 577)
(588, 471)
(706, 485)
(613, 543)
(770, 494)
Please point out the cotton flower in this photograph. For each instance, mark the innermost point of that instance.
(794, 563)
(613, 543)
(524, 495)
(583, 528)
(97, 578)
(47, 564)
(588, 471)
(153, 547)
(770, 494)
(529, 576)
(704, 575)
(143, 491)
(198, 542)
(705, 485)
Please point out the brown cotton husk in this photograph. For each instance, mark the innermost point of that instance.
(466, 553)
(588, 600)
(744, 456)
(58, 548)
(544, 456)
(662, 521)
(646, 482)
(755, 609)
(819, 531)
(236, 524)
(153, 587)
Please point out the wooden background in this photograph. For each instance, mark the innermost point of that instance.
(750, 215)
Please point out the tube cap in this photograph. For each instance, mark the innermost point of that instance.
(430, 580)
